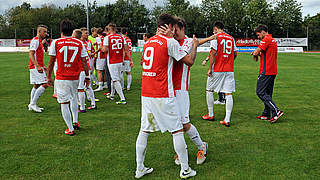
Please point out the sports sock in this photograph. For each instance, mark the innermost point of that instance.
(118, 88)
(74, 109)
(65, 111)
(112, 89)
(54, 87)
(129, 80)
(82, 99)
(229, 105)
(195, 137)
(100, 85)
(90, 93)
(210, 100)
(33, 90)
(105, 84)
(141, 145)
(181, 149)
(121, 80)
(37, 94)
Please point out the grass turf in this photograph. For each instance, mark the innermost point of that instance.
(33, 145)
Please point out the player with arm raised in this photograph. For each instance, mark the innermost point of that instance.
(69, 53)
(114, 45)
(159, 106)
(37, 70)
(221, 72)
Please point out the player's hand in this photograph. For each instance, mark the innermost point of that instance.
(131, 63)
(50, 82)
(39, 69)
(255, 58)
(195, 41)
(87, 82)
(204, 62)
(209, 72)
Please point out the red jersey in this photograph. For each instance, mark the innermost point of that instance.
(181, 76)
(268, 56)
(37, 46)
(128, 40)
(68, 52)
(99, 41)
(89, 48)
(115, 43)
(159, 53)
(225, 47)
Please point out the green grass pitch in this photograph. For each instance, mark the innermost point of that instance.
(33, 145)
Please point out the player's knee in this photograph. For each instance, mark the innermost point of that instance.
(80, 90)
(186, 127)
(228, 94)
(128, 73)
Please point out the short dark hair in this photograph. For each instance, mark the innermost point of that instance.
(260, 28)
(181, 23)
(124, 31)
(42, 26)
(100, 30)
(83, 29)
(66, 27)
(219, 25)
(166, 19)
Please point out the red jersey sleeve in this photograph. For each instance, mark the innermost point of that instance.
(264, 44)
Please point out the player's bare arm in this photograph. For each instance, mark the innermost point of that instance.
(127, 52)
(190, 58)
(210, 38)
(212, 59)
(50, 69)
(31, 55)
(104, 49)
(86, 70)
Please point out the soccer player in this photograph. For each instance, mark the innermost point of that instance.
(127, 60)
(114, 45)
(222, 99)
(37, 70)
(69, 53)
(267, 50)
(181, 82)
(90, 94)
(159, 107)
(221, 72)
(101, 62)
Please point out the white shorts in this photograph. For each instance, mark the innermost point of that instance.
(66, 90)
(36, 77)
(115, 71)
(126, 66)
(221, 82)
(183, 103)
(101, 64)
(81, 84)
(160, 114)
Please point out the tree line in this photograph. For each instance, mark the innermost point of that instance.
(283, 17)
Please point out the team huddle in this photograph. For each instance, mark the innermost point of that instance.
(166, 61)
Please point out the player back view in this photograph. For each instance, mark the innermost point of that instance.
(221, 72)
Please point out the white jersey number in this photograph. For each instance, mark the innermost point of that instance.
(65, 49)
(227, 46)
(116, 44)
(148, 58)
